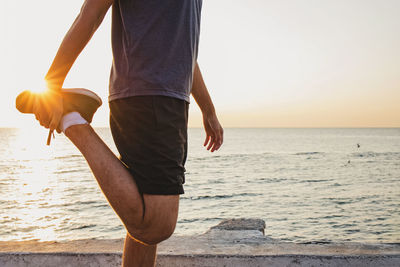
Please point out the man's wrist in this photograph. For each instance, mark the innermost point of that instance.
(208, 112)
(52, 85)
(54, 80)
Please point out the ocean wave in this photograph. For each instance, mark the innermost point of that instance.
(332, 216)
(69, 171)
(221, 196)
(83, 227)
(271, 180)
(234, 156)
(69, 156)
(189, 220)
(343, 225)
(200, 220)
(85, 202)
(315, 181)
(308, 153)
(317, 242)
(372, 154)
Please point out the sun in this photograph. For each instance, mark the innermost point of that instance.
(40, 87)
(26, 121)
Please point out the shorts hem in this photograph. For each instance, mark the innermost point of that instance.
(176, 190)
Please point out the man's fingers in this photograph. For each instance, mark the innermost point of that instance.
(40, 114)
(44, 119)
(215, 142)
(55, 121)
(211, 143)
(206, 141)
(46, 123)
(217, 145)
(53, 124)
(213, 147)
(218, 141)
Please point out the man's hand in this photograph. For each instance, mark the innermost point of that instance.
(214, 132)
(48, 109)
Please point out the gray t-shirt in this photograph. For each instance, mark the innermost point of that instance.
(155, 46)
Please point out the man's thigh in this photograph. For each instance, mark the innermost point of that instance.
(161, 209)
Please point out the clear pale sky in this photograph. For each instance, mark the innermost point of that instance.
(280, 63)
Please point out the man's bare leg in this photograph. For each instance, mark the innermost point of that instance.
(114, 179)
(136, 254)
(148, 218)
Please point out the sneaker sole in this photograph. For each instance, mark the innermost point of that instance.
(24, 102)
(83, 91)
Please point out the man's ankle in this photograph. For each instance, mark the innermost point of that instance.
(71, 119)
(76, 130)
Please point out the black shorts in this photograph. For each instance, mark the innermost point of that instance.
(150, 133)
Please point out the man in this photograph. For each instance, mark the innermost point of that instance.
(155, 44)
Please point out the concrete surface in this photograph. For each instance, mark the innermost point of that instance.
(237, 242)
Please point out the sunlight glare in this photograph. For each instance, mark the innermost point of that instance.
(35, 185)
(28, 145)
(39, 88)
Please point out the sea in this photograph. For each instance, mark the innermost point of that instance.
(308, 185)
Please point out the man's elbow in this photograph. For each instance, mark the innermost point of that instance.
(94, 11)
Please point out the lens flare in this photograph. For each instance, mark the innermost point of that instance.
(40, 88)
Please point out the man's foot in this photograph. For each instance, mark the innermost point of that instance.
(83, 101)
(79, 102)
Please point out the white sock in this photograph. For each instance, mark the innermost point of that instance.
(72, 118)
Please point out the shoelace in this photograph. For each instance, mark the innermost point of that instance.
(51, 133)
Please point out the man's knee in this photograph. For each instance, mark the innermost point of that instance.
(158, 224)
(153, 233)
(161, 234)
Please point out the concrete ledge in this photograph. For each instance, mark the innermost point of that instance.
(232, 243)
(59, 259)
(114, 259)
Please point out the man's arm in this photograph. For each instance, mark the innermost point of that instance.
(85, 25)
(214, 131)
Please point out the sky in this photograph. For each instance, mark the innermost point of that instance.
(281, 63)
